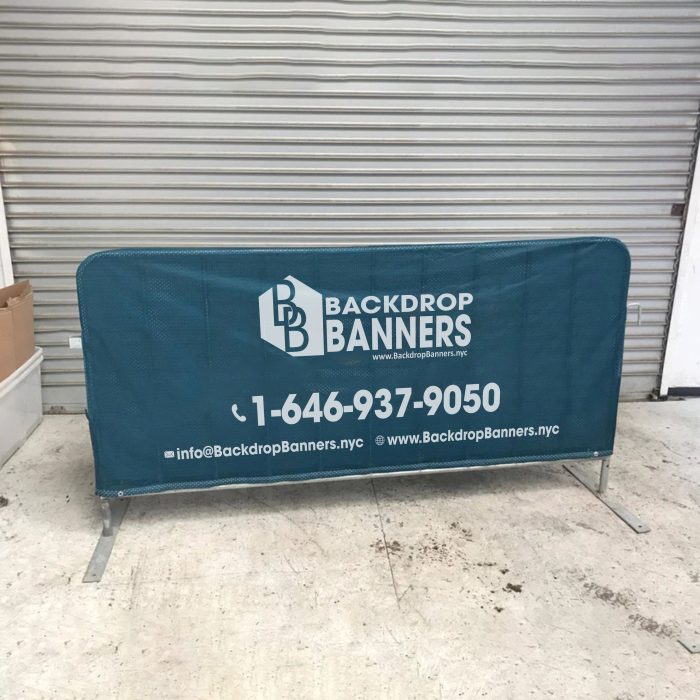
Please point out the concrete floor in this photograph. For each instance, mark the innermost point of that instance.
(507, 584)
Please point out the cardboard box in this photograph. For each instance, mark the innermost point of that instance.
(16, 327)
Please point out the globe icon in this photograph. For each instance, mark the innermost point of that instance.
(379, 440)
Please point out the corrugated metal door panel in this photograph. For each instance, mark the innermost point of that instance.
(171, 122)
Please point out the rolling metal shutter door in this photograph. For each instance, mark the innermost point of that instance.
(237, 123)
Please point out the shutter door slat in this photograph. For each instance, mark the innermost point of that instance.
(173, 122)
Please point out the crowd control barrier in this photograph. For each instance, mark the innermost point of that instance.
(226, 367)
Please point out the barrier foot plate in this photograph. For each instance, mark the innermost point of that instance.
(113, 514)
(625, 515)
(692, 645)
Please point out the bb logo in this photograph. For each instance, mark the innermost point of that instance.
(291, 318)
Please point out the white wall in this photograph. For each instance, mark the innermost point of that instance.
(6, 277)
(682, 362)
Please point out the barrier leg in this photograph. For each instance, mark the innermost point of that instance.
(112, 515)
(603, 481)
(600, 490)
(107, 523)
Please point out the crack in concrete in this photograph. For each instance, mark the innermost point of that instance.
(386, 546)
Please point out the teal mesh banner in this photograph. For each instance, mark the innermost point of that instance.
(237, 366)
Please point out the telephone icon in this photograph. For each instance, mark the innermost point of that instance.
(236, 415)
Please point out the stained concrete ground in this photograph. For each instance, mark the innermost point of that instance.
(508, 584)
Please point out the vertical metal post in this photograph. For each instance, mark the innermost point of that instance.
(107, 529)
(604, 469)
